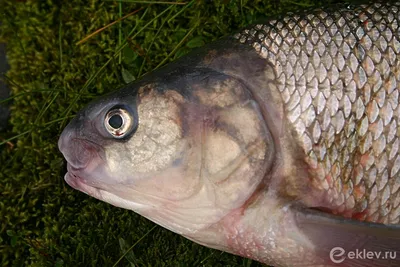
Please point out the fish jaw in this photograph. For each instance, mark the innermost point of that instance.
(87, 171)
(79, 183)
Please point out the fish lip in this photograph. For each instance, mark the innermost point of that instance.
(80, 184)
(77, 182)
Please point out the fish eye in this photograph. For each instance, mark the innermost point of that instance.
(118, 122)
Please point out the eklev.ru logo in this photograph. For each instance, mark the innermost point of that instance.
(338, 255)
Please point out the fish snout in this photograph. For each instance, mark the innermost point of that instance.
(77, 151)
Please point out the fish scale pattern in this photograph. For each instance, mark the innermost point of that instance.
(338, 73)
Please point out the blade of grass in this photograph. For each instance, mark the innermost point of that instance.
(107, 26)
(43, 111)
(150, 2)
(57, 120)
(14, 137)
(177, 46)
(137, 242)
(241, 8)
(60, 51)
(115, 70)
(46, 107)
(11, 145)
(151, 45)
(120, 31)
(28, 92)
(298, 3)
(208, 256)
(33, 128)
(183, 9)
(11, 81)
(159, 30)
(137, 49)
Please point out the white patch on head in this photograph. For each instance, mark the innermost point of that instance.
(220, 150)
(222, 93)
(246, 119)
(158, 140)
(234, 152)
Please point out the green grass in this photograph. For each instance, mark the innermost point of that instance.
(43, 222)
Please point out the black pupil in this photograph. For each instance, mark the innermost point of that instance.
(115, 121)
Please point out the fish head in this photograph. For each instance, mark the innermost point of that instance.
(182, 148)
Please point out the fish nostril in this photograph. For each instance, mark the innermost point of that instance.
(82, 152)
(78, 152)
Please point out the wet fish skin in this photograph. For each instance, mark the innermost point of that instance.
(219, 149)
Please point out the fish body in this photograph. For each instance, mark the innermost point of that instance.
(280, 143)
(338, 76)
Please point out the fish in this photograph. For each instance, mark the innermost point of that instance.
(279, 143)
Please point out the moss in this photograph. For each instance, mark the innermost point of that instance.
(43, 221)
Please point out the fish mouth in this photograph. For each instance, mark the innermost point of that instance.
(79, 183)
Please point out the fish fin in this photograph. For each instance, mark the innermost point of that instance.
(350, 243)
